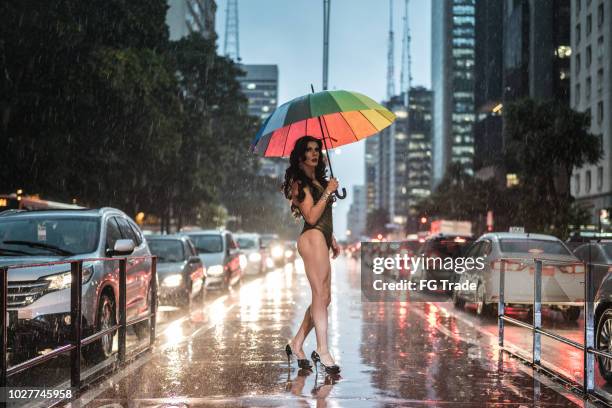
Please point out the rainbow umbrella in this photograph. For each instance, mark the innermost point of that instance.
(342, 116)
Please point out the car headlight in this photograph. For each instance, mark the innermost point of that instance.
(255, 257)
(63, 280)
(215, 270)
(277, 251)
(288, 253)
(172, 281)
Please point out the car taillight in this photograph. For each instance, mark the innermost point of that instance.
(510, 266)
(575, 268)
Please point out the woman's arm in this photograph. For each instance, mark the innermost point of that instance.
(310, 210)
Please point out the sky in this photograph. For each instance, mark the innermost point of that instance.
(289, 33)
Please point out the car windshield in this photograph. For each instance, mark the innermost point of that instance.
(533, 246)
(247, 243)
(167, 250)
(208, 244)
(45, 235)
(267, 239)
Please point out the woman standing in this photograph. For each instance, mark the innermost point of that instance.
(311, 198)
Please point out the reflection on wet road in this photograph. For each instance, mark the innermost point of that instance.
(230, 352)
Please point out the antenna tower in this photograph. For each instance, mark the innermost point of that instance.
(406, 74)
(231, 46)
(390, 56)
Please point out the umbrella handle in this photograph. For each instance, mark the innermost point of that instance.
(341, 196)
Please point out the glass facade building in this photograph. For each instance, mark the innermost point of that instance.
(260, 86)
(453, 54)
(188, 16)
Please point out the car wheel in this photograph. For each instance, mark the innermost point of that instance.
(458, 302)
(604, 343)
(572, 313)
(106, 318)
(142, 329)
(482, 308)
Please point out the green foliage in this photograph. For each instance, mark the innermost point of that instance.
(97, 104)
(544, 142)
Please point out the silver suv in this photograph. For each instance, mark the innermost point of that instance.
(39, 297)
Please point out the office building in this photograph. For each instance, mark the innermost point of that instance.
(187, 16)
(591, 91)
(488, 86)
(452, 78)
(356, 217)
(260, 86)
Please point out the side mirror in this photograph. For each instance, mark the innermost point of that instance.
(194, 260)
(122, 247)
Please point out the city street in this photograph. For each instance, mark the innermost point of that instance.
(230, 352)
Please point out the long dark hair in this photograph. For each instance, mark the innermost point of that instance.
(295, 173)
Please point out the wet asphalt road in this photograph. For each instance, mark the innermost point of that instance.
(229, 352)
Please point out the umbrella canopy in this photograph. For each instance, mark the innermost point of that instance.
(346, 117)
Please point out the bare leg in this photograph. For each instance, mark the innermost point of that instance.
(298, 341)
(314, 252)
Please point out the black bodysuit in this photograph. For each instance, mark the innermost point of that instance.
(324, 223)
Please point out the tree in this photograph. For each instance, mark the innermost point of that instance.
(460, 196)
(88, 101)
(216, 132)
(545, 142)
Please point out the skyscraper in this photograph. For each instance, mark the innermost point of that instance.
(260, 86)
(591, 91)
(488, 86)
(418, 157)
(356, 217)
(398, 160)
(452, 79)
(536, 49)
(187, 16)
(372, 170)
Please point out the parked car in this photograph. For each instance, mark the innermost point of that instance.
(179, 269)
(562, 274)
(599, 256)
(221, 255)
(250, 245)
(39, 297)
(439, 246)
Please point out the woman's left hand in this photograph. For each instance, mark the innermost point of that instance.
(335, 248)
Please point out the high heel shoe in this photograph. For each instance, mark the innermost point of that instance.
(334, 369)
(302, 362)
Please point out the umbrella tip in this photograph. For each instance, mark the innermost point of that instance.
(312, 88)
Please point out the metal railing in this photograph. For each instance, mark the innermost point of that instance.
(589, 350)
(76, 340)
